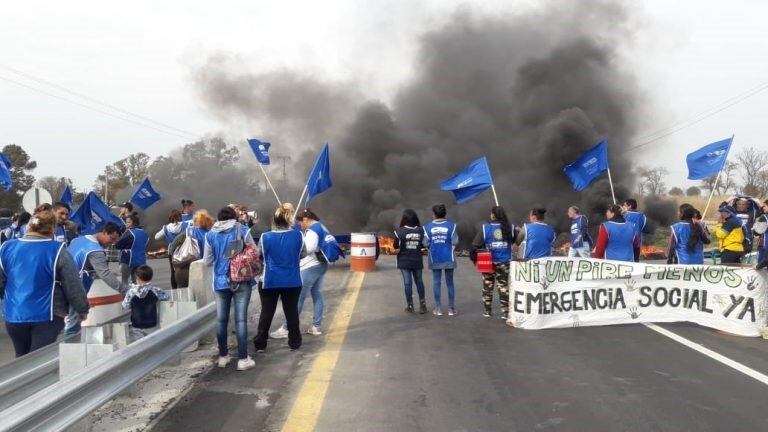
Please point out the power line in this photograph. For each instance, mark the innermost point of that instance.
(91, 108)
(677, 127)
(96, 101)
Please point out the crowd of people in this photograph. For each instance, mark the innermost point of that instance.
(619, 238)
(288, 263)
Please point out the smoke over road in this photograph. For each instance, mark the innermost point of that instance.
(531, 92)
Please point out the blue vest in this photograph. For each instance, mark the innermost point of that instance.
(282, 252)
(220, 244)
(638, 219)
(682, 233)
(577, 232)
(30, 269)
(538, 240)
(80, 248)
(137, 254)
(439, 234)
(62, 234)
(186, 217)
(501, 250)
(199, 235)
(620, 241)
(169, 236)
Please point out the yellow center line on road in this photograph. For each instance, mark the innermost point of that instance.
(307, 406)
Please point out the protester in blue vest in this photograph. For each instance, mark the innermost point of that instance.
(638, 219)
(760, 229)
(92, 263)
(536, 237)
(226, 239)
(617, 239)
(409, 240)
(313, 268)
(187, 210)
(199, 226)
(39, 283)
(282, 250)
(169, 231)
(580, 242)
(18, 227)
(440, 239)
(133, 248)
(686, 239)
(497, 237)
(66, 231)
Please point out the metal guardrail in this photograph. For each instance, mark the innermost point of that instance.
(29, 374)
(67, 401)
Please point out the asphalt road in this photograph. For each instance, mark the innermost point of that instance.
(162, 279)
(400, 372)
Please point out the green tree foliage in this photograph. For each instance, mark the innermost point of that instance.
(21, 174)
(693, 191)
(676, 191)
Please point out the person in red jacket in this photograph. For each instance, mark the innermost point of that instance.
(617, 239)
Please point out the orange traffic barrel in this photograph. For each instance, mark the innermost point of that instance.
(363, 252)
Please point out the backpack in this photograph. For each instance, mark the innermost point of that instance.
(188, 251)
(244, 265)
(330, 250)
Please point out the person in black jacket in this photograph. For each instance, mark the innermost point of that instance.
(408, 241)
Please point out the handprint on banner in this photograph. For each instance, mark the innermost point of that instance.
(721, 301)
(544, 284)
(519, 320)
(633, 312)
(576, 320)
(630, 284)
(752, 283)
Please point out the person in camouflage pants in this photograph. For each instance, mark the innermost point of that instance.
(499, 278)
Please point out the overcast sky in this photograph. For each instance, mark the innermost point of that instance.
(139, 56)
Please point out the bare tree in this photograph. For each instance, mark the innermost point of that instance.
(752, 162)
(652, 180)
(727, 179)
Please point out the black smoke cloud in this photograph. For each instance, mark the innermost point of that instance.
(531, 92)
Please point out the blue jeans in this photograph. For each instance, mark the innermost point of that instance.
(410, 276)
(436, 286)
(223, 301)
(312, 283)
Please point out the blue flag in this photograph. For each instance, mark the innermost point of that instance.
(260, 149)
(471, 181)
(93, 214)
(66, 196)
(708, 160)
(320, 178)
(5, 172)
(144, 195)
(588, 166)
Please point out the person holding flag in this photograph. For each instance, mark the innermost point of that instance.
(496, 236)
(617, 239)
(440, 239)
(65, 230)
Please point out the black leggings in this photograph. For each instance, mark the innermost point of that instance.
(730, 257)
(290, 300)
(28, 337)
(174, 285)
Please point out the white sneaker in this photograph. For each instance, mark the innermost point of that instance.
(314, 331)
(281, 333)
(245, 364)
(438, 312)
(224, 361)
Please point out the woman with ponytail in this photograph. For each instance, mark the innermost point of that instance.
(496, 236)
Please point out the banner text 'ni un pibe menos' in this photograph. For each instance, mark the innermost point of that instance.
(562, 292)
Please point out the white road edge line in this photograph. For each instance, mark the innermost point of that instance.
(711, 354)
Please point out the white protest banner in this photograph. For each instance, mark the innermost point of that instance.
(565, 292)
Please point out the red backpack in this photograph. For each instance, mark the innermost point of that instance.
(245, 265)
